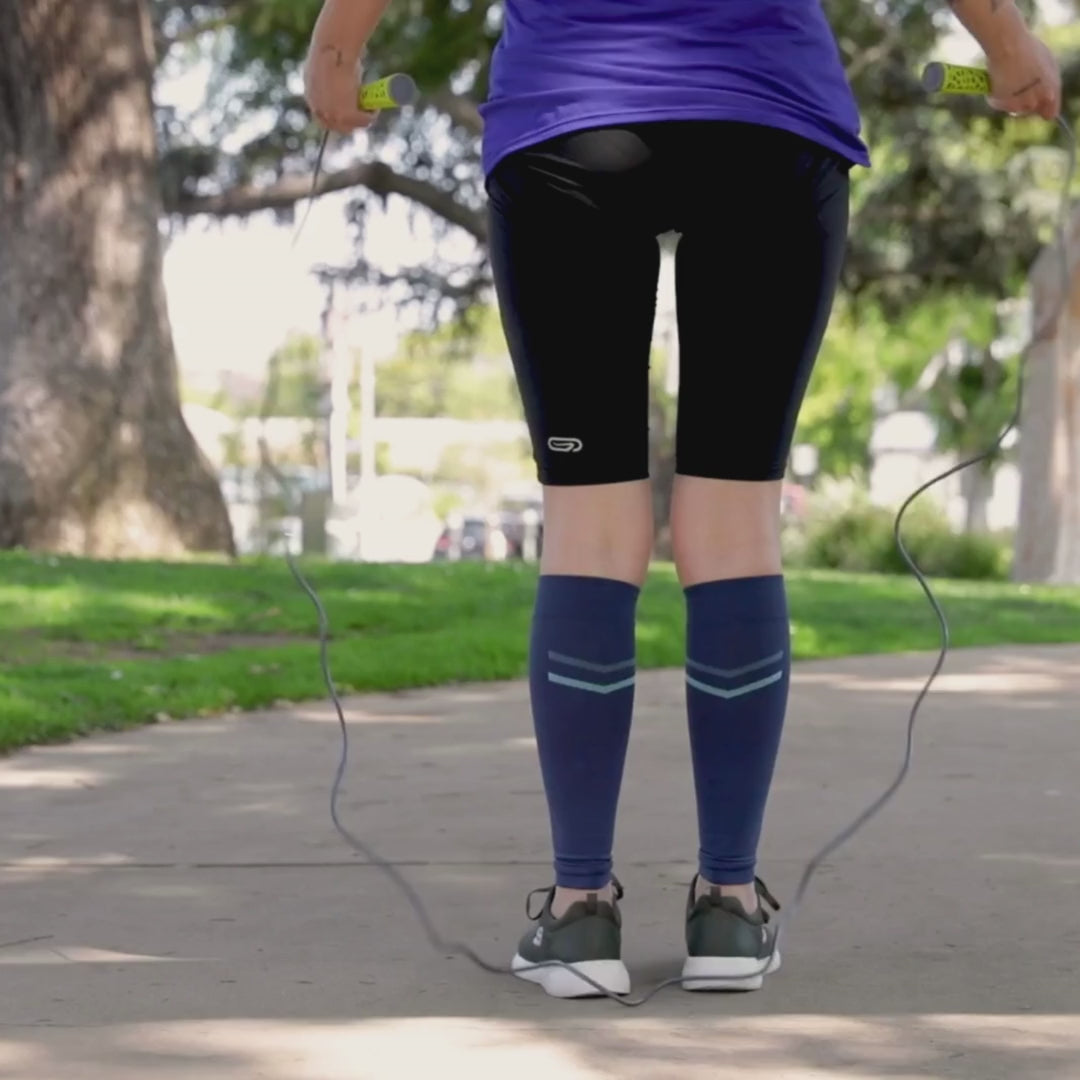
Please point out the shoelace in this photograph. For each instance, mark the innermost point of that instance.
(548, 893)
(760, 888)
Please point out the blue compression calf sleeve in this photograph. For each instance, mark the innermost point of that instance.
(582, 672)
(738, 668)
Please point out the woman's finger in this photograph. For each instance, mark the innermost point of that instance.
(344, 123)
(1050, 104)
(1029, 102)
(1014, 106)
(1049, 108)
(353, 121)
(1041, 103)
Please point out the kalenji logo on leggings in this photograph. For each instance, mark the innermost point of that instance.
(564, 445)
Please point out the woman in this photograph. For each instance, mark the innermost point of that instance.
(609, 122)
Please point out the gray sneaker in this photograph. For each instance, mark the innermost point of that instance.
(727, 948)
(588, 938)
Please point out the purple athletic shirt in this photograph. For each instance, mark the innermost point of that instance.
(563, 65)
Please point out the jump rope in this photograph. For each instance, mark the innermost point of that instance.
(400, 90)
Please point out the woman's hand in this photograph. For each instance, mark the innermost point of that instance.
(331, 84)
(1023, 72)
(333, 73)
(1025, 77)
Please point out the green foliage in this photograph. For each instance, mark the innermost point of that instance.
(860, 537)
(484, 392)
(462, 465)
(295, 381)
(865, 350)
(482, 470)
(233, 449)
(192, 395)
(446, 501)
(942, 206)
(451, 372)
(972, 402)
(383, 462)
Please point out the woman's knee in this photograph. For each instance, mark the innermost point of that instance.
(725, 528)
(598, 530)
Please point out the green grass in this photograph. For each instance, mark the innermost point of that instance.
(97, 645)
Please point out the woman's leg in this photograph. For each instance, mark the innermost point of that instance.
(726, 536)
(576, 267)
(597, 542)
(763, 247)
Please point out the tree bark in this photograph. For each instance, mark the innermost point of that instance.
(662, 471)
(1048, 534)
(977, 488)
(95, 457)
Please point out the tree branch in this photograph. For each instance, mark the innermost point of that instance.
(375, 176)
(876, 53)
(421, 279)
(461, 110)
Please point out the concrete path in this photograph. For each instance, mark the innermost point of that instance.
(175, 904)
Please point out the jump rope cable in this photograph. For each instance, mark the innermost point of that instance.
(459, 948)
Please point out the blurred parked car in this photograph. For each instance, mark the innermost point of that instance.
(522, 521)
(793, 499)
(472, 536)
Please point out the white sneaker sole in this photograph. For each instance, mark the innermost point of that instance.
(561, 982)
(727, 972)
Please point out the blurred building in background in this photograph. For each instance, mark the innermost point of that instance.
(445, 488)
(905, 455)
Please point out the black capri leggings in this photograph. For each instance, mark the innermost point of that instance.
(762, 218)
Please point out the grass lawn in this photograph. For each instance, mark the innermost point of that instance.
(89, 645)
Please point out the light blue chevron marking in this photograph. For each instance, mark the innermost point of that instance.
(735, 691)
(588, 665)
(725, 673)
(594, 688)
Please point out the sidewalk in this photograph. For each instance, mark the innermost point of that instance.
(175, 903)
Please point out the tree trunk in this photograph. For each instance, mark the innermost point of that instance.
(95, 457)
(1048, 534)
(662, 472)
(977, 487)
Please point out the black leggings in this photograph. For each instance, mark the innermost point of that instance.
(762, 219)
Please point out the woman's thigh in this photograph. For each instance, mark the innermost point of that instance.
(575, 259)
(757, 267)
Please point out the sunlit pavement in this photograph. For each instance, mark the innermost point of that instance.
(175, 902)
